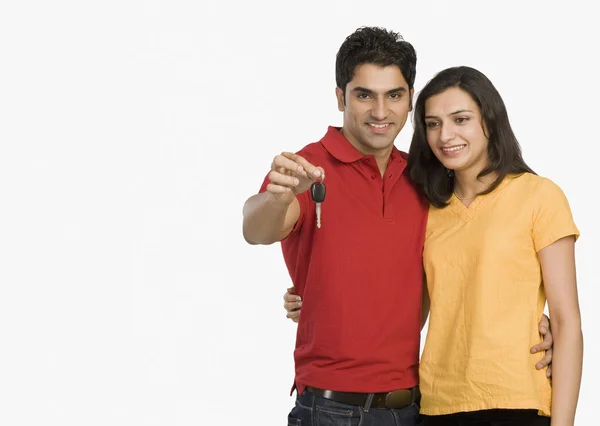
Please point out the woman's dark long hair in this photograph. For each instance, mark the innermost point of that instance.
(504, 152)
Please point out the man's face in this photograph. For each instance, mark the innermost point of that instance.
(377, 104)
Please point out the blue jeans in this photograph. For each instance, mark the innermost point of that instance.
(311, 410)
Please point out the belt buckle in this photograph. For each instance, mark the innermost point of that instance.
(398, 399)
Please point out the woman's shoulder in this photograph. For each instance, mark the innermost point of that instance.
(531, 181)
(538, 188)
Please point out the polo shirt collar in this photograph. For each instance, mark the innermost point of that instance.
(340, 148)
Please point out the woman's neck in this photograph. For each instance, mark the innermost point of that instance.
(467, 185)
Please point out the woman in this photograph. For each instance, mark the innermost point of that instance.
(499, 244)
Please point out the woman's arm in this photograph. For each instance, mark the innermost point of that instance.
(560, 283)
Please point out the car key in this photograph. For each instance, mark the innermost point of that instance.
(317, 193)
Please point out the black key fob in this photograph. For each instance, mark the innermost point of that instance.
(317, 192)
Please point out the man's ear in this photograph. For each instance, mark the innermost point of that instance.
(339, 94)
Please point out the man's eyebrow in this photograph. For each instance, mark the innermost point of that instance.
(365, 90)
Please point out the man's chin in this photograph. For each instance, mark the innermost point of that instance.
(380, 141)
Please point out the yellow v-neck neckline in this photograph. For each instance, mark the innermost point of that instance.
(468, 212)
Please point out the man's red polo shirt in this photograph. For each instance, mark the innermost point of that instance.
(360, 274)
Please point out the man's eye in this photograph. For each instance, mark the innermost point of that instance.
(363, 96)
(395, 95)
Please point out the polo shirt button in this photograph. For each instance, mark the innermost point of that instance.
(373, 176)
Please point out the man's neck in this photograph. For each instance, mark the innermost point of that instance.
(383, 161)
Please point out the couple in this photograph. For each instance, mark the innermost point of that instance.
(460, 224)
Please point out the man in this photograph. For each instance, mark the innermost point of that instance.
(360, 273)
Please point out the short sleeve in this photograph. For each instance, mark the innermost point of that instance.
(552, 217)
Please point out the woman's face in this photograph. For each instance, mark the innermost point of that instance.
(455, 131)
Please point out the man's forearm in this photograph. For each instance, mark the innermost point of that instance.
(424, 311)
(267, 219)
(566, 370)
(425, 302)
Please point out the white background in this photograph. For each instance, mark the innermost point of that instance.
(133, 131)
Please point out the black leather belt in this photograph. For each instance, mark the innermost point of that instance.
(395, 399)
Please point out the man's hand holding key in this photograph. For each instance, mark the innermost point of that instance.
(291, 175)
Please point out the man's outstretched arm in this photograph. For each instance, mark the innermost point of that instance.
(271, 215)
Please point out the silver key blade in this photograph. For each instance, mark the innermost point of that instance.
(318, 215)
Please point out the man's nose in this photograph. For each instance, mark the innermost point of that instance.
(380, 109)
